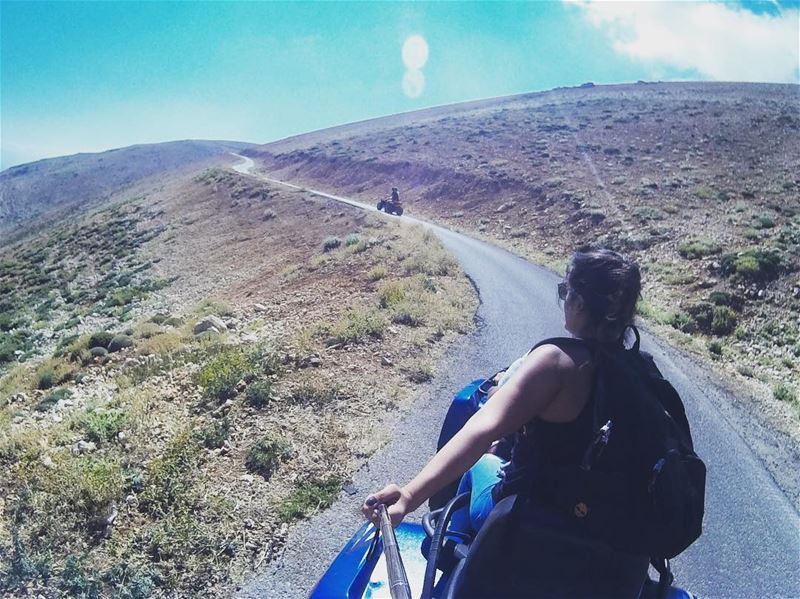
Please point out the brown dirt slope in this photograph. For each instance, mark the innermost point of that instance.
(697, 181)
(175, 466)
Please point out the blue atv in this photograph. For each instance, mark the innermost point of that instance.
(548, 558)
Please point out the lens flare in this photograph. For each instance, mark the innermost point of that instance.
(413, 83)
(415, 52)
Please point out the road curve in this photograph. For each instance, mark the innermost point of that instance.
(751, 541)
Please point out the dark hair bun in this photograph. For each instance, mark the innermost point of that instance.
(609, 285)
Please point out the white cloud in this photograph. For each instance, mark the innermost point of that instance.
(723, 42)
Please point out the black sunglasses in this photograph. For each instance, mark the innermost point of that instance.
(563, 289)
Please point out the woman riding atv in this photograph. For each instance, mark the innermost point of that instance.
(547, 401)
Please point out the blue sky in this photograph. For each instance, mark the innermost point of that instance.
(78, 76)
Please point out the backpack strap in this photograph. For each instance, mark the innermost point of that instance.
(665, 576)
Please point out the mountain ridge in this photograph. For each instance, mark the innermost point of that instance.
(43, 190)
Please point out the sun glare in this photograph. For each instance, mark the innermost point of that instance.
(413, 83)
(415, 52)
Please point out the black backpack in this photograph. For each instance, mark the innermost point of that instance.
(640, 487)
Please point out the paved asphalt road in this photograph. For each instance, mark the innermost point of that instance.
(751, 541)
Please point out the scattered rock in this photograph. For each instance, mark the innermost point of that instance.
(249, 338)
(350, 489)
(310, 360)
(223, 409)
(83, 447)
(249, 523)
(260, 308)
(131, 500)
(385, 361)
(210, 322)
(48, 462)
(248, 478)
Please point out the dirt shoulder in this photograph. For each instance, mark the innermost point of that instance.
(142, 454)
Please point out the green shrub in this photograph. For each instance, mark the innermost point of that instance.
(376, 273)
(783, 392)
(170, 477)
(120, 342)
(53, 372)
(265, 455)
(682, 321)
(99, 483)
(418, 371)
(754, 265)
(76, 582)
(215, 434)
(220, 376)
(331, 243)
(648, 213)
(64, 344)
(763, 221)
(98, 352)
(746, 370)
(715, 347)
(357, 326)
(409, 313)
(122, 296)
(310, 498)
(100, 339)
(315, 394)
(130, 583)
(102, 427)
(258, 393)
(391, 293)
(725, 298)
(9, 346)
(723, 321)
(8, 321)
(51, 399)
(698, 249)
(352, 239)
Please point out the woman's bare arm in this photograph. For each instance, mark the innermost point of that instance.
(527, 394)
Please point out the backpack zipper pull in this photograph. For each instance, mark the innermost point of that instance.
(597, 446)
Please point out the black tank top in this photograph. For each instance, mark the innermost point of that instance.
(540, 441)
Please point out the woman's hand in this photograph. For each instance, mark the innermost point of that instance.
(396, 500)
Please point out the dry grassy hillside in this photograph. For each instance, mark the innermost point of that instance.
(698, 182)
(185, 375)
